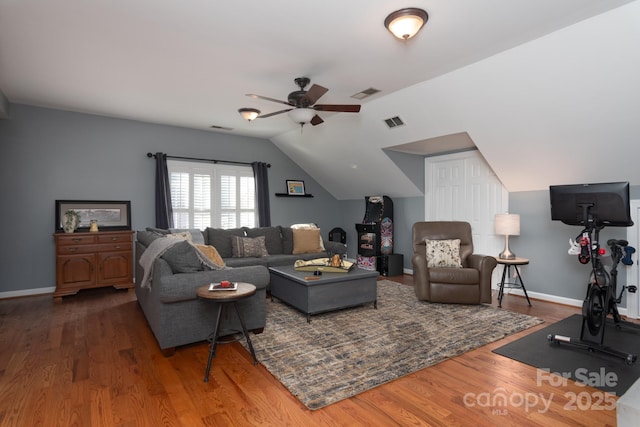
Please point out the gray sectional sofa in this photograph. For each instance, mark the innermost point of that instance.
(174, 313)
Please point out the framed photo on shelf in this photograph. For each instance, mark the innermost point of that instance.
(295, 188)
(110, 215)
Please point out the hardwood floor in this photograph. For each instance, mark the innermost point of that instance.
(93, 361)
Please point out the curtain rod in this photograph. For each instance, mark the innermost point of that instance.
(205, 160)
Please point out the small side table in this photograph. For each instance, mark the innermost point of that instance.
(245, 290)
(508, 263)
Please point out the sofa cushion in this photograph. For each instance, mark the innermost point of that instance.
(287, 240)
(243, 247)
(306, 241)
(157, 230)
(272, 238)
(221, 239)
(443, 253)
(196, 234)
(182, 258)
(146, 237)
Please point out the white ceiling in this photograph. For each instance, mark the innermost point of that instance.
(190, 64)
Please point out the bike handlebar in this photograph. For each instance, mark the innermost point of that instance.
(614, 242)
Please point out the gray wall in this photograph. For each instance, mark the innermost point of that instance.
(51, 154)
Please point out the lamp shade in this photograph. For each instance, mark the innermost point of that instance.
(507, 224)
(302, 115)
(249, 113)
(405, 23)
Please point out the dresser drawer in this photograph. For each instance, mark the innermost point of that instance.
(76, 239)
(76, 249)
(114, 238)
(112, 247)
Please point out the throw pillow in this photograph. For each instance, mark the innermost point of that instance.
(306, 241)
(312, 226)
(243, 247)
(182, 258)
(221, 239)
(212, 253)
(443, 253)
(272, 238)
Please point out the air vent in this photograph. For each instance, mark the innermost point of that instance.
(365, 93)
(394, 122)
(220, 127)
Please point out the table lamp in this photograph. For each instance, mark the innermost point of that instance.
(507, 225)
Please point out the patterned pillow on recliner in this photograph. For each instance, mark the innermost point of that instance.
(443, 253)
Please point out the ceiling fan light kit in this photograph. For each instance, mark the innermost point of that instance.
(302, 102)
(249, 114)
(405, 23)
(302, 115)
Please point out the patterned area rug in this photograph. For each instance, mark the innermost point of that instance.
(343, 353)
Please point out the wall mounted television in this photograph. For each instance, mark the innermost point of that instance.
(601, 204)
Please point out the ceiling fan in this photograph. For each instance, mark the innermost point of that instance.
(302, 102)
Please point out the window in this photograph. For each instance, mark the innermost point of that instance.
(211, 195)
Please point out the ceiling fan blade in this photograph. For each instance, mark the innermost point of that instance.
(343, 108)
(314, 93)
(316, 120)
(254, 96)
(264, 116)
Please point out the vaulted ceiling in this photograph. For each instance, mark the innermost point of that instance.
(546, 89)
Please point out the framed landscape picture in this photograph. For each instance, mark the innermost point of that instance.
(295, 188)
(110, 215)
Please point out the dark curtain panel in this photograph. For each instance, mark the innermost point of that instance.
(164, 212)
(262, 193)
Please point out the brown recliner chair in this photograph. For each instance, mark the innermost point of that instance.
(470, 284)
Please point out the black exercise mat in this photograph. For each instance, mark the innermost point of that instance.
(594, 368)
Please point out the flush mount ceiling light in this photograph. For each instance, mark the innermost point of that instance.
(302, 115)
(249, 113)
(405, 23)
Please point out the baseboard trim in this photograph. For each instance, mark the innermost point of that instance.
(558, 300)
(27, 292)
(543, 297)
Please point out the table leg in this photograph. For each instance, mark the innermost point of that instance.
(501, 291)
(522, 284)
(214, 339)
(246, 334)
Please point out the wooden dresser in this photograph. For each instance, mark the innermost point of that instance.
(92, 260)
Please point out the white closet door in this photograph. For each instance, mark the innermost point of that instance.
(462, 187)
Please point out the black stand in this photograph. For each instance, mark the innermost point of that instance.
(506, 272)
(600, 300)
(213, 338)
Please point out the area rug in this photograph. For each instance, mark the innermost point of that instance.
(340, 354)
(597, 369)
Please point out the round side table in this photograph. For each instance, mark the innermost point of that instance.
(507, 263)
(244, 290)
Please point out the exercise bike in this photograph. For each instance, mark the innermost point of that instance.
(601, 299)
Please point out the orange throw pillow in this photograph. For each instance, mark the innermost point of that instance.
(211, 253)
(306, 241)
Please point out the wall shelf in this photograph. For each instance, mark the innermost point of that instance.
(293, 195)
